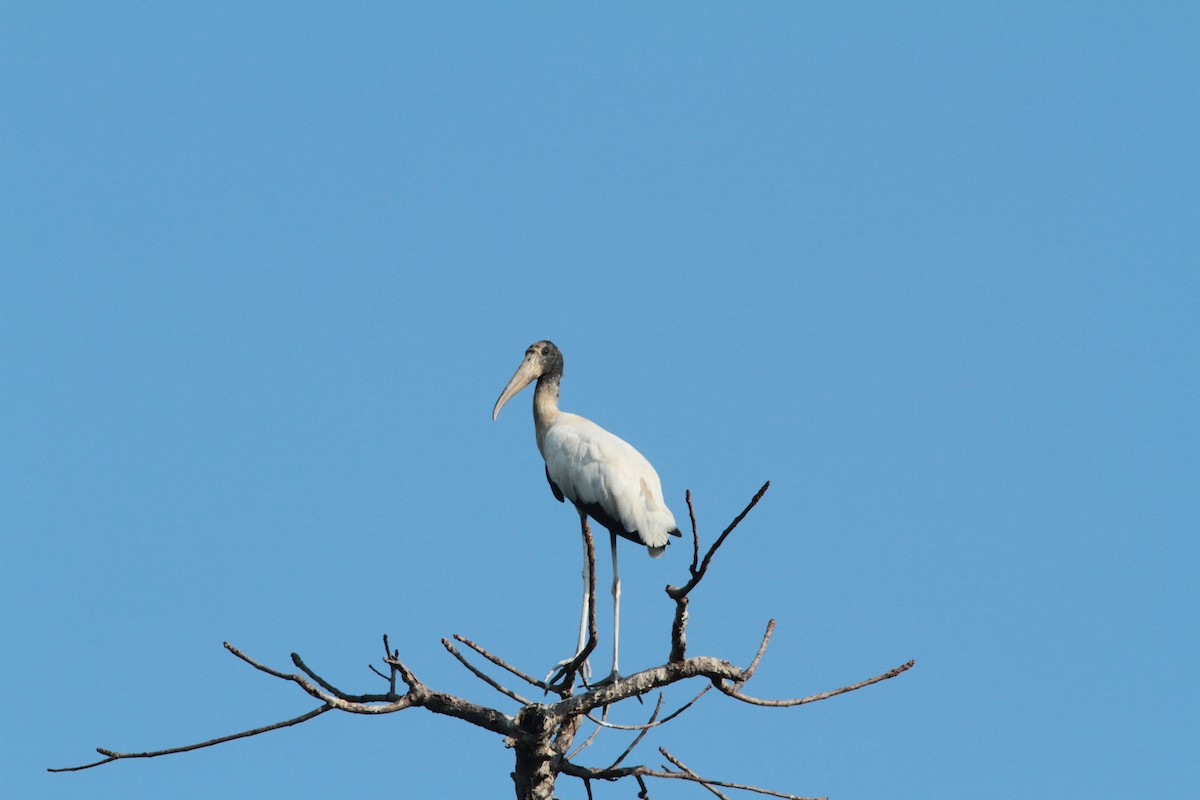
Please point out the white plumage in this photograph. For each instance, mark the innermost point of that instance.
(594, 467)
(600, 473)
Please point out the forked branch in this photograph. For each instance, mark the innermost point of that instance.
(697, 572)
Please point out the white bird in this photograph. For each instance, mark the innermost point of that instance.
(602, 474)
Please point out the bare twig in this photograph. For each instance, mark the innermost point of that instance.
(655, 724)
(260, 667)
(762, 648)
(355, 704)
(324, 684)
(684, 768)
(599, 725)
(682, 708)
(695, 531)
(499, 662)
(698, 574)
(814, 697)
(680, 593)
(689, 775)
(503, 690)
(113, 755)
(641, 734)
(640, 772)
(406, 674)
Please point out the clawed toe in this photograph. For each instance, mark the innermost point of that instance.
(562, 669)
(611, 678)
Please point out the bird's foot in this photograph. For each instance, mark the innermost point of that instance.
(566, 668)
(611, 678)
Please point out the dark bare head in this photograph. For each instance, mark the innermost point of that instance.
(543, 362)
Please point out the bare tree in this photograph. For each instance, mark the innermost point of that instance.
(543, 734)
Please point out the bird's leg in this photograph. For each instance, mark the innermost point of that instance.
(616, 594)
(586, 669)
(584, 613)
(615, 675)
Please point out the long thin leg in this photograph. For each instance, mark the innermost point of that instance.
(616, 593)
(583, 617)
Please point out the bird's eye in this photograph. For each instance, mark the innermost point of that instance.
(545, 350)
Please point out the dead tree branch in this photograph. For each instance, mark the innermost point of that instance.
(641, 735)
(762, 648)
(812, 698)
(113, 755)
(684, 774)
(697, 572)
(483, 676)
(499, 662)
(542, 735)
(652, 724)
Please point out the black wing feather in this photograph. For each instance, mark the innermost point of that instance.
(554, 488)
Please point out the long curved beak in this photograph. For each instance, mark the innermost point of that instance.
(524, 375)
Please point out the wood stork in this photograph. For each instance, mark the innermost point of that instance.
(602, 474)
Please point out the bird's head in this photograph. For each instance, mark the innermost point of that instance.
(542, 358)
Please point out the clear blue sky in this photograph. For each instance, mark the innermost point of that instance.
(932, 271)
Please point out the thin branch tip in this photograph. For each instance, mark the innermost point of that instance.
(813, 698)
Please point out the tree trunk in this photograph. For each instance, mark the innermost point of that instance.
(534, 775)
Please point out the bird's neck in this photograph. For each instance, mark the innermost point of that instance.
(545, 405)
